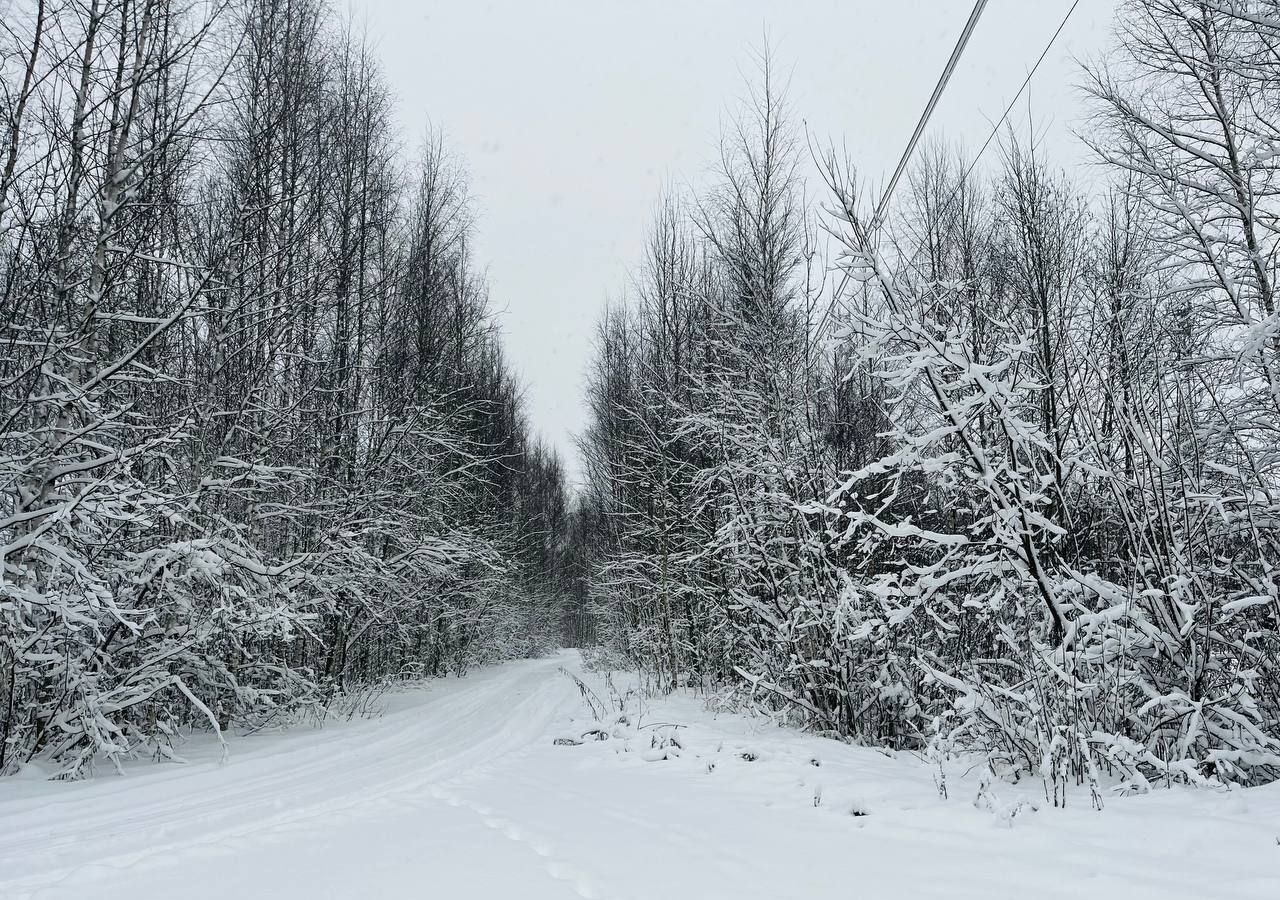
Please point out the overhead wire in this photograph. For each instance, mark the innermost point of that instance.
(956, 52)
(1008, 109)
(933, 100)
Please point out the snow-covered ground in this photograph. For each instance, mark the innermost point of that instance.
(460, 791)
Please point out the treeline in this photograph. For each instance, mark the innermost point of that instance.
(996, 471)
(258, 440)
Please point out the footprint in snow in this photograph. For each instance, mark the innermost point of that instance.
(581, 884)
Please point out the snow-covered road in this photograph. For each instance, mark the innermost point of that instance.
(459, 792)
(360, 810)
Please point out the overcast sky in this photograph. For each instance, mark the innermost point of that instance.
(571, 115)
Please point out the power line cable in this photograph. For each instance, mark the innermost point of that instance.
(941, 86)
(994, 130)
(964, 179)
(1008, 109)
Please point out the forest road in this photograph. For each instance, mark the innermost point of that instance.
(370, 809)
(460, 791)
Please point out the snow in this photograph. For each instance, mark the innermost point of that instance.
(459, 790)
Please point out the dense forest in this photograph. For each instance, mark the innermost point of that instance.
(984, 461)
(258, 440)
(991, 466)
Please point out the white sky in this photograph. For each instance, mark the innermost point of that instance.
(572, 115)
